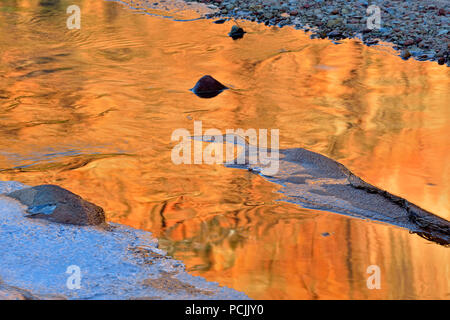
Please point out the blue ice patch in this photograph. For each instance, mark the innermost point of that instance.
(42, 209)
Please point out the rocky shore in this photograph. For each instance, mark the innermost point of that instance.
(55, 245)
(418, 29)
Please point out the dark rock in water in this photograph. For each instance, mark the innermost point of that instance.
(236, 33)
(335, 34)
(441, 12)
(208, 87)
(53, 203)
(405, 54)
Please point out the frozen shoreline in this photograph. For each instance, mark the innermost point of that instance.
(123, 263)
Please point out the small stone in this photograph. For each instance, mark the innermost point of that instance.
(405, 54)
(236, 32)
(208, 87)
(441, 61)
(335, 34)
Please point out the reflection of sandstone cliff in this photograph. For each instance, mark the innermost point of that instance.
(100, 124)
(284, 256)
(274, 251)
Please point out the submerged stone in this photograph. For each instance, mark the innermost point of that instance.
(208, 87)
(405, 54)
(236, 33)
(53, 203)
(336, 34)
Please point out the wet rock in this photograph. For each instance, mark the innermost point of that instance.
(208, 87)
(236, 33)
(335, 34)
(405, 54)
(441, 61)
(322, 34)
(53, 203)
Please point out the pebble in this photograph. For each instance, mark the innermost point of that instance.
(236, 33)
(405, 54)
(208, 87)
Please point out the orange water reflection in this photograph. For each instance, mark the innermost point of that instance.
(93, 110)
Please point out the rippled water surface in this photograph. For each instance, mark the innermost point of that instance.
(93, 110)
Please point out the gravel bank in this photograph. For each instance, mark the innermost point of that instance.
(418, 29)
